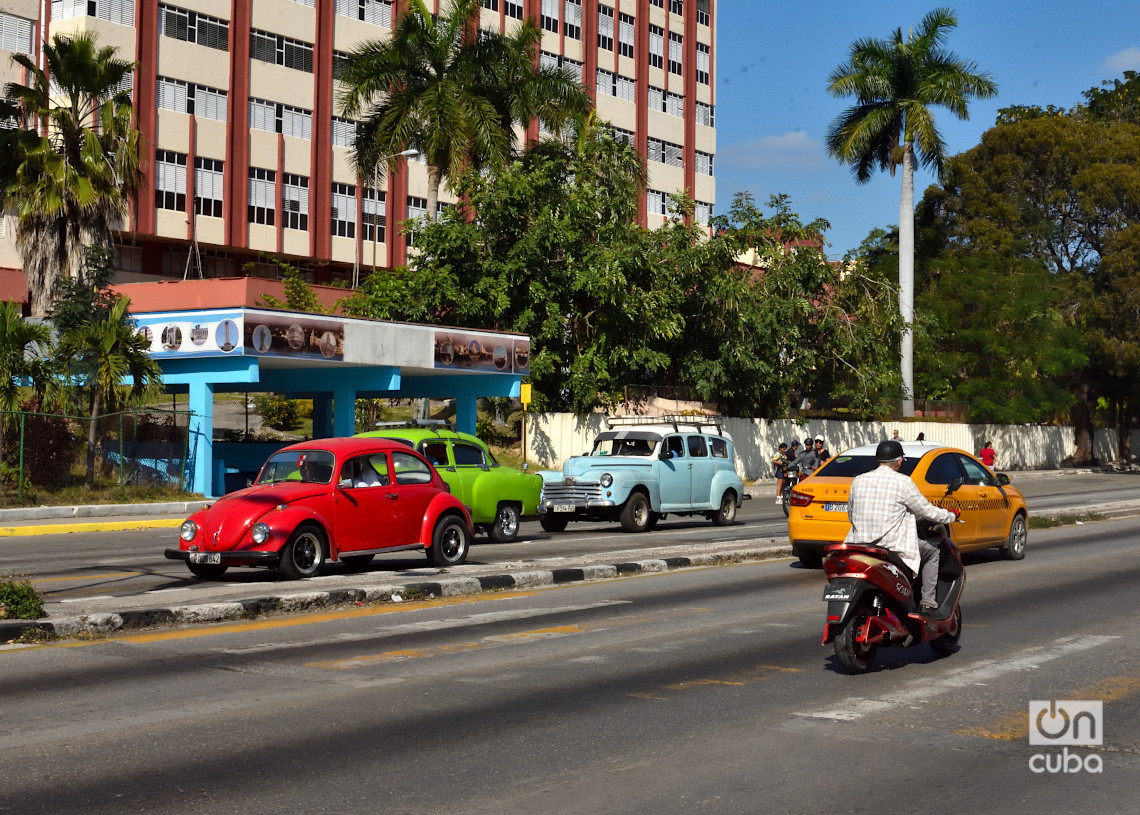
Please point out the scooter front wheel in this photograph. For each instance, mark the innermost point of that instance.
(947, 644)
(853, 655)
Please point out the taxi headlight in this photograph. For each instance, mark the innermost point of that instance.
(606, 479)
(259, 533)
(189, 530)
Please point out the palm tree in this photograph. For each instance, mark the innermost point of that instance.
(19, 368)
(435, 87)
(895, 83)
(78, 162)
(108, 351)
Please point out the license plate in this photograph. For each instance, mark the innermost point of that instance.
(562, 508)
(835, 506)
(206, 557)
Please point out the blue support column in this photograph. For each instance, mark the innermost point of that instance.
(199, 466)
(344, 412)
(323, 416)
(465, 405)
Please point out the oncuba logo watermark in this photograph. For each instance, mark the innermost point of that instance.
(1066, 723)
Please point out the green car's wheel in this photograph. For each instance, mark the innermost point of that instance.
(505, 527)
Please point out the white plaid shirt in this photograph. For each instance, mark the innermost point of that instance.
(882, 506)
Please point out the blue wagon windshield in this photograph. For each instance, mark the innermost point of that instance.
(299, 466)
(625, 444)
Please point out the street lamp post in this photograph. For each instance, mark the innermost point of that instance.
(376, 199)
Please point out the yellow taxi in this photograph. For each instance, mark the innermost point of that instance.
(993, 512)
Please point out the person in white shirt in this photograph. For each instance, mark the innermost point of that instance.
(883, 505)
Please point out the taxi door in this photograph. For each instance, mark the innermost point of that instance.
(674, 475)
(993, 507)
(942, 470)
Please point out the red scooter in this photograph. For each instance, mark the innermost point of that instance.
(872, 600)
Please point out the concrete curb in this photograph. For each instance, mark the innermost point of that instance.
(89, 526)
(183, 508)
(103, 623)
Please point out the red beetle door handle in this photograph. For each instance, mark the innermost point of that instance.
(391, 496)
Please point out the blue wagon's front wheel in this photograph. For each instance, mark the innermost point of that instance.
(726, 515)
(636, 514)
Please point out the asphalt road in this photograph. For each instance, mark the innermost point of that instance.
(73, 566)
(702, 690)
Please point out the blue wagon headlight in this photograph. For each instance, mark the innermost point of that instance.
(189, 530)
(259, 533)
(606, 479)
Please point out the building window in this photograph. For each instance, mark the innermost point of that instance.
(262, 196)
(344, 210)
(280, 50)
(376, 12)
(666, 102)
(189, 26)
(706, 114)
(550, 15)
(373, 215)
(703, 60)
(170, 180)
(185, 97)
(572, 26)
(274, 117)
(611, 84)
(621, 135)
(703, 213)
(208, 187)
(659, 203)
(625, 34)
(702, 12)
(491, 5)
(113, 11)
(658, 3)
(656, 46)
(513, 9)
(296, 202)
(605, 28)
(704, 163)
(549, 60)
(677, 6)
(664, 152)
(343, 132)
(16, 34)
(604, 82)
(417, 208)
(676, 49)
(340, 64)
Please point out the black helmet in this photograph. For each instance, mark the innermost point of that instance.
(808, 442)
(794, 443)
(888, 451)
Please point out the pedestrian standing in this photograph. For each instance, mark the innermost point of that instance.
(780, 466)
(987, 455)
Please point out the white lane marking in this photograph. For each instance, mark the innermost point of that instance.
(922, 691)
(430, 625)
(85, 599)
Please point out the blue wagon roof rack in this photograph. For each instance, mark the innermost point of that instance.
(676, 422)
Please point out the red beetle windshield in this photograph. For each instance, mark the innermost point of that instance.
(301, 466)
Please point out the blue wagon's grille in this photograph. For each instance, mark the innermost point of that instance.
(570, 493)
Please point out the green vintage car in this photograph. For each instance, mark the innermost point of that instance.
(497, 496)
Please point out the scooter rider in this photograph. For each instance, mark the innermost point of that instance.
(805, 462)
(882, 506)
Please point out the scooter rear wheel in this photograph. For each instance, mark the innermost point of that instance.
(947, 644)
(854, 656)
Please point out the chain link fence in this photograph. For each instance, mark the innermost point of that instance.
(53, 453)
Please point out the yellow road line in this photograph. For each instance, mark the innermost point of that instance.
(91, 526)
(1015, 726)
(84, 577)
(755, 674)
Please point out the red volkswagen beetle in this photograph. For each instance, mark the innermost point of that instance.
(343, 500)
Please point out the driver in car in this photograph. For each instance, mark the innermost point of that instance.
(883, 505)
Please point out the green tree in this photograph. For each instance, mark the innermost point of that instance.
(299, 295)
(895, 84)
(24, 363)
(108, 352)
(436, 87)
(71, 186)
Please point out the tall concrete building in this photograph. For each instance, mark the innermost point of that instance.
(246, 153)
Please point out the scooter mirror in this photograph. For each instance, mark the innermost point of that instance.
(954, 485)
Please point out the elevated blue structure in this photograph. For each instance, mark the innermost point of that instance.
(332, 360)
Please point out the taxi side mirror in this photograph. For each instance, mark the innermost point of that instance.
(1003, 479)
(954, 485)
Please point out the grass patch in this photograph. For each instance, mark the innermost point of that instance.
(36, 636)
(99, 494)
(19, 599)
(1065, 519)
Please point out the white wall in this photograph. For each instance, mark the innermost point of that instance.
(554, 437)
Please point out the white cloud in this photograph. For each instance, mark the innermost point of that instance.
(1126, 60)
(786, 151)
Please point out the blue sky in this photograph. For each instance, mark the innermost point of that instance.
(773, 110)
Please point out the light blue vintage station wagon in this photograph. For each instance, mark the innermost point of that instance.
(642, 469)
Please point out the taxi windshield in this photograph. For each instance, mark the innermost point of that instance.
(609, 445)
(298, 466)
